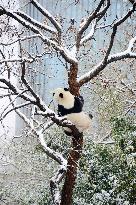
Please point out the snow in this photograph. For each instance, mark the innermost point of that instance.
(43, 26)
(112, 57)
(46, 13)
(90, 35)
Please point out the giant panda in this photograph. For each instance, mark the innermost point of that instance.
(71, 107)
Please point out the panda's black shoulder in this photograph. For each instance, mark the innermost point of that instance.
(78, 104)
(77, 107)
(62, 111)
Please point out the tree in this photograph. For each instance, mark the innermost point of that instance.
(52, 36)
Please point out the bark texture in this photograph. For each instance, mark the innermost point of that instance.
(71, 174)
(77, 144)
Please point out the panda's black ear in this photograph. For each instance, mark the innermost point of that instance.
(66, 89)
(61, 95)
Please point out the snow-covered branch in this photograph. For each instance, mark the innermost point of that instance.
(128, 53)
(90, 35)
(34, 22)
(39, 133)
(47, 14)
(36, 100)
(65, 53)
(16, 91)
(54, 182)
(115, 27)
(19, 19)
(97, 14)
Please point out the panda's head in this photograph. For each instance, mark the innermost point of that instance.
(63, 97)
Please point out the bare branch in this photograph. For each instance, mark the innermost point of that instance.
(15, 60)
(11, 102)
(19, 39)
(14, 109)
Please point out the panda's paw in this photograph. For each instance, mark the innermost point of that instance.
(68, 133)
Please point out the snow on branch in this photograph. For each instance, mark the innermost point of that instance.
(115, 26)
(90, 35)
(128, 53)
(97, 14)
(47, 14)
(19, 19)
(36, 100)
(54, 182)
(20, 39)
(15, 108)
(112, 58)
(65, 53)
(16, 91)
(35, 23)
(11, 102)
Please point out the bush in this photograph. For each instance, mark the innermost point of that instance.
(107, 174)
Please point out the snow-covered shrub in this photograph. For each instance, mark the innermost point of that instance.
(107, 174)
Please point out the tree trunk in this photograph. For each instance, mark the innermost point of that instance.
(71, 174)
(72, 79)
(77, 144)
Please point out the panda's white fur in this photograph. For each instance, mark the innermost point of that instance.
(79, 118)
(67, 101)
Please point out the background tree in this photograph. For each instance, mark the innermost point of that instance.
(51, 35)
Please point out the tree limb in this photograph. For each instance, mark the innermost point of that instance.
(97, 15)
(65, 53)
(111, 58)
(34, 22)
(47, 14)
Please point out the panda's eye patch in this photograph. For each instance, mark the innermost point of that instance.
(66, 89)
(61, 95)
(53, 94)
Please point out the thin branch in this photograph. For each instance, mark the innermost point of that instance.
(12, 101)
(15, 60)
(20, 39)
(16, 91)
(19, 19)
(15, 108)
